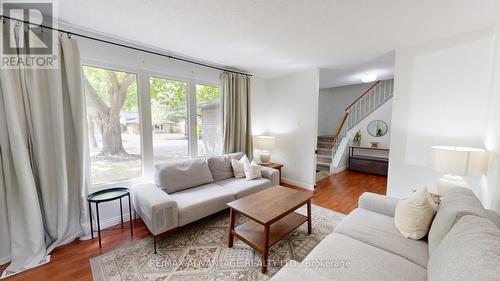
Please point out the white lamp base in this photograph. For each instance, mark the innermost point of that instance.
(265, 157)
(448, 182)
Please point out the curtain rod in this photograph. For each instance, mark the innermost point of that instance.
(129, 47)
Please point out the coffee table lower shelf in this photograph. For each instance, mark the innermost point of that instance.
(252, 233)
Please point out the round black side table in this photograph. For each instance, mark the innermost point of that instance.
(107, 195)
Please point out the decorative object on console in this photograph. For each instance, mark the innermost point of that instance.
(265, 143)
(357, 138)
(377, 128)
(374, 144)
(455, 162)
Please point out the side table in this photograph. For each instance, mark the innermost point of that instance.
(107, 195)
(273, 166)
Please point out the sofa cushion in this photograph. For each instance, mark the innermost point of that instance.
(239, 166)
(339, 257)
(252, 170)
(242, 187)
(198, 202)
(379, 231)
(220, 166)
(413, 216)
(179, 175)
(454, 204)
(469, 251)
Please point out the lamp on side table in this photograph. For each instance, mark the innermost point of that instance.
(455, 162)
(265, 143)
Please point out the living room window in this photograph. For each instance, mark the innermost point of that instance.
(208, 120)
(114, 129)
(169, 119)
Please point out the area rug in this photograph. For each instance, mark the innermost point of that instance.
(199, 252)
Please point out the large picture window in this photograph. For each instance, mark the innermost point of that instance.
(185, 121)
(113, 124)
(209, 120)
(169, 119)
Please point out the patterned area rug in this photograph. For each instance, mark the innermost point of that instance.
(199, 252)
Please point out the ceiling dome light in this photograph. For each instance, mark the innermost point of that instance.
(368, 77)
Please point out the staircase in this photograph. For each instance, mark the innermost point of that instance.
(324, 153)
(331, 152)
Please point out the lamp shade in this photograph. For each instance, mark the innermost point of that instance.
(265, 142)
(461, 161)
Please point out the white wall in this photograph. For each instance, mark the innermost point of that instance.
(291, 104)
(258, 105)
(332, 105)
(441, 96)
(384, 113)
(491, 184)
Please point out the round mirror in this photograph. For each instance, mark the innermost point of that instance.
(377, 128)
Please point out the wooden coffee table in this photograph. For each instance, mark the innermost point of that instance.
(272, 217)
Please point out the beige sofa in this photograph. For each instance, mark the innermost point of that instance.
(463, 244)
(186, 191)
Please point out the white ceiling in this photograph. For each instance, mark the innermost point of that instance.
(272, 38)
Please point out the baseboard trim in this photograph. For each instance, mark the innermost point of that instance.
(298, 183)
(338, 170)
(109, 222)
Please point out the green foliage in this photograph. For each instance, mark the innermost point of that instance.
(168, 97)
(99, 79)
(357, 137)
(168, 100)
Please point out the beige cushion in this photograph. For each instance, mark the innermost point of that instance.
(469, 251)
(252, 171)
(179, 175)
(379, 231)
(242, 188)
(341, 258)
(199, 202)
(239, 167)
(414, 215)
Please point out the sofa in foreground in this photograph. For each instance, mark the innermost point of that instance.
(186, 191)
(463, 244)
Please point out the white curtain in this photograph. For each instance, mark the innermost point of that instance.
(42, 158)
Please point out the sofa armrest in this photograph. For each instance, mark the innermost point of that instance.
(156, 208)
(381, 204)
(271, 174)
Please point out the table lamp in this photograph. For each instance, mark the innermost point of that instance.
(455, 162)
(265, 143)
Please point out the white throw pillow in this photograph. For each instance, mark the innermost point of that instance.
(252, 171)
(239, 166)
(414, 215)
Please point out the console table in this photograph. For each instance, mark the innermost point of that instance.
(371, 160)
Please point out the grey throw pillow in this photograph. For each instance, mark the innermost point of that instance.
(180, 175)
(455, 203)
(220, 166)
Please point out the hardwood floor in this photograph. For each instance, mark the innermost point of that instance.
(338, 192)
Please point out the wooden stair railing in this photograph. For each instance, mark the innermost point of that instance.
(341, 127)
(339, 130)
(364, 94)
